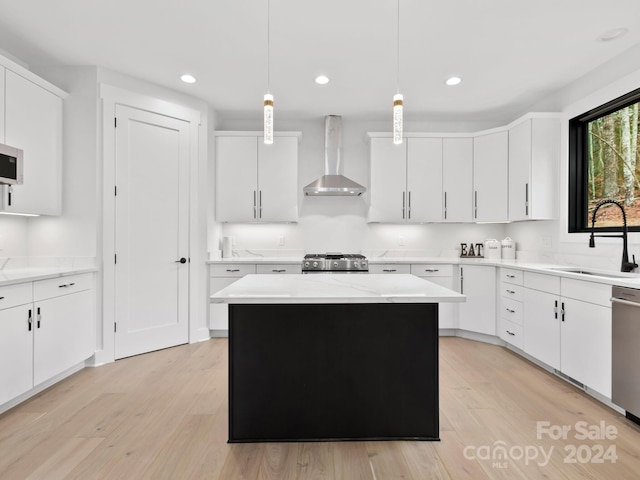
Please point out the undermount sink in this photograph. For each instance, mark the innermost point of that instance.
(580, 271)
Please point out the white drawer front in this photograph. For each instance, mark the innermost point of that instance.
(510, 290)
(542, 282)
(511, 275)
(55, 287)
(390, 268)
(511, 333)
(431, 270)
(232, 269)
(14, 295)
(278, 269)
(511, 310)
(591, 292)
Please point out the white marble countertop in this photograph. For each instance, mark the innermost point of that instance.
(11, 276)
(346, 288)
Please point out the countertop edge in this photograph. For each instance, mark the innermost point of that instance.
(25, 275)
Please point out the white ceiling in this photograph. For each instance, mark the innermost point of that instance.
(510, 53)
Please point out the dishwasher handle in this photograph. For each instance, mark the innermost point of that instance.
(625, 302)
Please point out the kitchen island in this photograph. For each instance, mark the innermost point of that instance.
(333, 357)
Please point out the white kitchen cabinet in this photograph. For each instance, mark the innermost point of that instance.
(2, 75)
(478, 312)
(46, 328)
(389, 268)
(16, 351)
(256, 182)
(457, 179)
(442, 275)
(490, 177)
(585, 348)
(405, 180)
(222, 275)
(510, 318)
(534, 155)
(542, 312)
(33, 123)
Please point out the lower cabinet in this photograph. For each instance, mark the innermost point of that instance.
(478, 312)
(542, 311)
(441, 275)
(50, 331)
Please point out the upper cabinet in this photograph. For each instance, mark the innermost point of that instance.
(490, 177)
(534, 154)
(2, 75)
(457, 179)
(256, 182)
(406, 180)
(33, 122)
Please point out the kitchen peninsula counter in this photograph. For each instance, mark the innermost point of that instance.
(333, 357)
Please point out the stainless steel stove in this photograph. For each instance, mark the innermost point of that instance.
(334, 262)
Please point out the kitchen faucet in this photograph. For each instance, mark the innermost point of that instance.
(626, 266)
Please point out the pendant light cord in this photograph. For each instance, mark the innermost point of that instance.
(398, 47)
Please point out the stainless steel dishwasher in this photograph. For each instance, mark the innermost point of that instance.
(625, 305)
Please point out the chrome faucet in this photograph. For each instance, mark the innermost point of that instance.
(626, 266)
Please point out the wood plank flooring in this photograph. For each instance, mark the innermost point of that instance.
(163, 415)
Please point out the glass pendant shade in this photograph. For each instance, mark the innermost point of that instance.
(268, 119)
(397, 119)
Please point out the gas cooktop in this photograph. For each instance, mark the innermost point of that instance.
(335, 262)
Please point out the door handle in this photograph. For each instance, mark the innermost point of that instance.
(409, 209)
(182, 260)
(403, 204)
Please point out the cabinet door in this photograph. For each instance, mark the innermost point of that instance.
(457, 179)
(237, 179)
(490, 177)
(64, 335)
(219, 312)
(388, 183)
(16, 352)
(278, 180)
(447, 312)
(586, 344)
(542, 326)
(424, 180)
(478, 313)
(33, 123)
(519, 171)
(2, 74)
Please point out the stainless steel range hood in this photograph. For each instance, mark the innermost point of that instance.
(333, 183)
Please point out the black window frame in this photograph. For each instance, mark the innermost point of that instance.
(579, 164)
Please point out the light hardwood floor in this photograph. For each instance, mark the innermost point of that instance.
(164, 416)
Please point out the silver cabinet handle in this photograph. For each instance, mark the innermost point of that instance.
(511, 276)
(510, 311)
(233, 269)
(66, 285)
(389, 270)
(445, 205)
(30, 321)
(1, 298)
(279, 270)
(409, 209)
(475, 204)
(431, 270)
(511, 292)
(260, 203)
(255, 209)
(526, 199)
(511, 333)
(38, 316)
(403, 204)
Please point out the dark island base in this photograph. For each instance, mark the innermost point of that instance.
(320, 372)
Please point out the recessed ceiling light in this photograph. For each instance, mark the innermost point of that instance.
(322, 80)
(453, 81)
(613, 34)
(186, 78)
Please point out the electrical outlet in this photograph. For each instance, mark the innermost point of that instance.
(546, 242)
(401, 240)
(281, 240)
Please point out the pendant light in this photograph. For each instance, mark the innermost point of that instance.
(397, 98)
(268, 98)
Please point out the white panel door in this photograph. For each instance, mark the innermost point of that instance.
(457, 174)
(236, 179)
(278, 180)
(33, 123)
(424, 179)
(151, 231)
(388, 184)
(16, 351)
(542, 326)
(491, 177)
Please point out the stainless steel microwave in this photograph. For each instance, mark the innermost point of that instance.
(11, 165)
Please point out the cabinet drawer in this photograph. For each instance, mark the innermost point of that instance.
(390, 268)
(510, 275)
(280, 269)
(542, 282)
(431, 270)
(55, 287)
(512, 291)
(591, 292)
(232, 270)
(511, 310)
(14, 295)
(511, 333)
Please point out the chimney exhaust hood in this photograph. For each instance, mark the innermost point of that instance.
(333, 183)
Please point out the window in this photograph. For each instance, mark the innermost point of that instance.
(604, 163)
